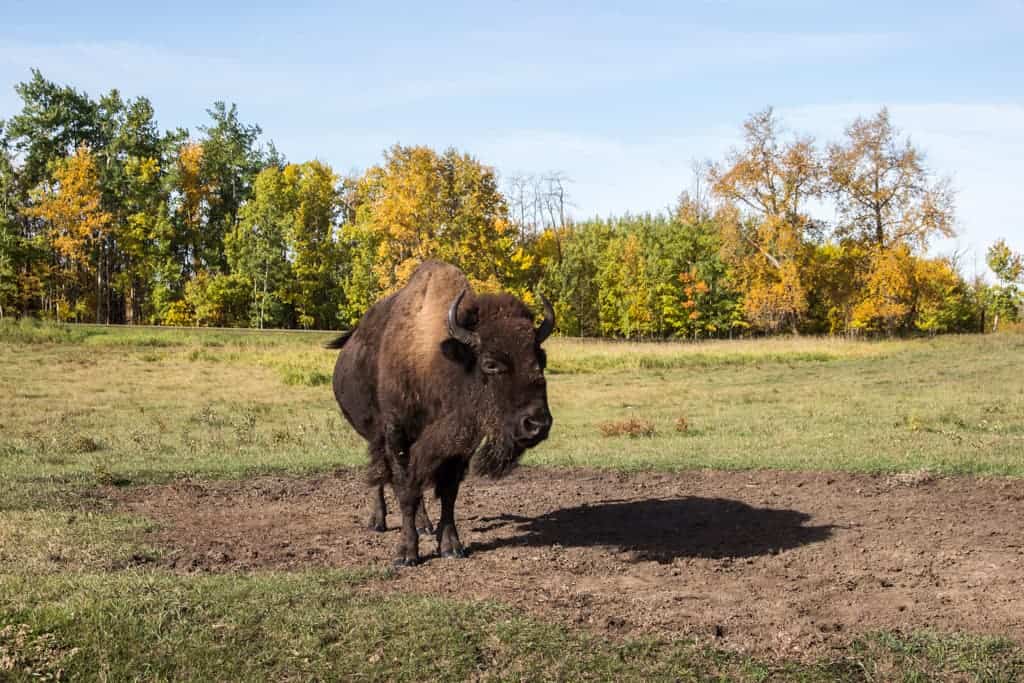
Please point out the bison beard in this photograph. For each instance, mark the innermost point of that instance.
(490, 460)
(439, 380)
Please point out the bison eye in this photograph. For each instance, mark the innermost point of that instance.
(492, 366)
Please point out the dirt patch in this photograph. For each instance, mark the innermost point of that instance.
(773, 563)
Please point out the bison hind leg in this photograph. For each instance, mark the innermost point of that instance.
(379, 470)
(423, 525)
(378, 510)
(378, 474)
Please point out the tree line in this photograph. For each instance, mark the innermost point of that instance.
(104, 217)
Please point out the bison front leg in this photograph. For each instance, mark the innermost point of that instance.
(409, 498)
(409, 492)
(408, 488)
(449, 478)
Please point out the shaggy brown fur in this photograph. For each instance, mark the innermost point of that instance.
(430, 405)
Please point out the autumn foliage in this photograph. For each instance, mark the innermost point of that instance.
(104, 218)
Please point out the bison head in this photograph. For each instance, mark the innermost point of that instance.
(500, 345)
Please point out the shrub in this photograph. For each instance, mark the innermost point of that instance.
(633, 427)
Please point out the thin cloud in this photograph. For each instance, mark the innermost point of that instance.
(350, 83)
(978, 145)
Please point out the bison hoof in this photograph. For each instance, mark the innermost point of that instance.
(377, 526)
(425, 530)
(405, 562)
(456, 554)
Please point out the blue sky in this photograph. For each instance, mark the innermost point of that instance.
(620, 97)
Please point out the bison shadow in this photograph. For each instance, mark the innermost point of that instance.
(661, 530)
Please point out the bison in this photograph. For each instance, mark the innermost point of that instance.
(438, 380)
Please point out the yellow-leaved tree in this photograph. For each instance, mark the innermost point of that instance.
(419, 204)
(764, 225)
(69, 205)
(887, 293)
(835, 273)
(193, 193)
(883, 190)
(775, 296)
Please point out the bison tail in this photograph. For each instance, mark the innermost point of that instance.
(339, 342)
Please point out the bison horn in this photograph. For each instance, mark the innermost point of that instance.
(457, 331)
(548, 324)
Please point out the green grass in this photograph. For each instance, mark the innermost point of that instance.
(95, 404)
(35, 542)
(952, 405)
(81, 406)
(317, 626)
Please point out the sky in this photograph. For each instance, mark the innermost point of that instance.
(621, 98)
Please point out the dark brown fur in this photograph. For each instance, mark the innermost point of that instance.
(430, 406)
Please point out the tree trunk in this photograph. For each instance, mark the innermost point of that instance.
(263, 301)
(99, 292)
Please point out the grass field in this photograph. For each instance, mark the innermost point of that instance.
(89, 406)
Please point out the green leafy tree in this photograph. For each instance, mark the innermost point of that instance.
(230, 160)
(257, 250)
(218, 300)
(696, 295)
(695, 307)
(316, 257)
(11, 251)
(572, 258)
(361, 284)
(137, 194)
(1008, 266)
(943, 302)
(627, 296)
(638, 276)
(54, 121)
(210, 179)
(285, 245)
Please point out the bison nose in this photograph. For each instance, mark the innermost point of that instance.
(532, 426)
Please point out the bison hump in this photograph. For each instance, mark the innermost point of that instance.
(416, 324)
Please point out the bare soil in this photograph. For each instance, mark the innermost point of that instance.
(782, 564)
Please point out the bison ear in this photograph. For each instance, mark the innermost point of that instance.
(460, 353)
